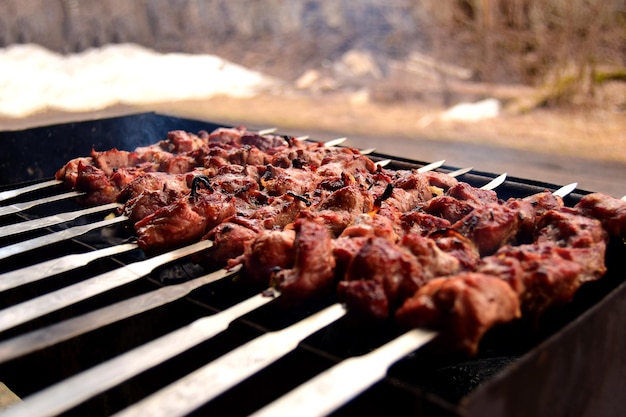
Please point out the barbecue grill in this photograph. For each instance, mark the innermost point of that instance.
(571, 363)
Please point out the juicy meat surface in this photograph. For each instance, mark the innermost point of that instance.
(270, 250)
(393, 268)
(183, 222)
(313, 272)
(545, 274)
(489, 227)
(609, 210)
(463, 307)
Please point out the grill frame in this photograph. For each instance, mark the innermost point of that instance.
(548, 378)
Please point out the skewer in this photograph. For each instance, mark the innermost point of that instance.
(267, 131)
(40, 223)
(334, 142)
(16, 208)
(432, 166)
(459, 172)
(494, 182)
(6, 195)
(38, 339)
(57, 266)
(339, 384)
(23, 312)
(41, 241)
(566, 189)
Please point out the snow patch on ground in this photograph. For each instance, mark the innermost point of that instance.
(33, 79)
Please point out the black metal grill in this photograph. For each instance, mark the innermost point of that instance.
(572, 364)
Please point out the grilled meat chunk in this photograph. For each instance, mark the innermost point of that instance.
(184, 221)
(270, 250)
(489, 227)
(567, 228)
(313, 272)
(609, 210)
(393, 271)
(463, 307)
(544, 274)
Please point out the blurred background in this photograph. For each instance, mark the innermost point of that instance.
(471, 77)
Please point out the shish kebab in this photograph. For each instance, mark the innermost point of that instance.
(28, 310)
(91, 382)
(54, 400)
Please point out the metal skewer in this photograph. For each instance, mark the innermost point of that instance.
(40, 223)
(16, 208)
(6, 195)
(23, 312)
(41, 338)
(336, 386)
(334, 142)
(38, 242)
(566, 189)
(56, 266)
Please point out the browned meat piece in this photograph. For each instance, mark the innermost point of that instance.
(366, 225)
(544, 201)
(99, 188)
(213, 155)
(154, 181)
(421, 223)
(278, 181)
(111, 160)
(390, 266)
(568, 228)
(184, 221)
(448, 208)
(489, 227)
(413, 180)
(416, 190)
(364, 299)
(344, 250)
(527, 219)
(310, 156)
(179, 141)
(227, 135)
(278, 212)
(609, 210)
(348, 163)
(268, 251)
(264, 143)
(236, 179)
(440, 180)
(549, 275)
(335, 221)
(463, 308)
(434, 261)
(69, 172)
(171, 226)
(229, 243)
(476, 196)
(313, 273)
(459, 246)
(350, 198)
(178, 164)
(147, 193)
